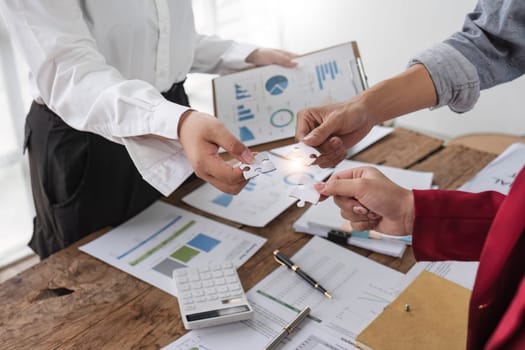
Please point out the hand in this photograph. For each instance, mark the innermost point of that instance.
(334, 128)
(201, 135)
(264, 57)
(370, 200)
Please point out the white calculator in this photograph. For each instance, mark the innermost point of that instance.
(211, 295)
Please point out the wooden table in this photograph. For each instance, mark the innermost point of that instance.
(73, 301)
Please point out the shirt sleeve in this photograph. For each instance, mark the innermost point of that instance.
(452, 225)
(218, 56)
(75, 81)
(489, 50)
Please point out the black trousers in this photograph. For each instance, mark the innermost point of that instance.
(81, 182)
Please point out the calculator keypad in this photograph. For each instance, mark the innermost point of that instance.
(206, 288)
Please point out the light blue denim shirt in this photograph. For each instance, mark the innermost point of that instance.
(489, 50)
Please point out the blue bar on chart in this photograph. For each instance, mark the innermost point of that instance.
(245, 134)
(324, 71)
(204, 242)
(250, 186)
(241, 93)
(225, 199)
(244, 113)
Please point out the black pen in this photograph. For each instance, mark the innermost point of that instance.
(285, 261)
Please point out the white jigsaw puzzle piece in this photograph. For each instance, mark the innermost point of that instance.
(305, 191)
(262, 164)
(304, 153)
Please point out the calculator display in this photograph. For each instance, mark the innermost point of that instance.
(217, 313)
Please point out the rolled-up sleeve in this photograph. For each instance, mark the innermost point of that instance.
(489, 50)
(455, 78)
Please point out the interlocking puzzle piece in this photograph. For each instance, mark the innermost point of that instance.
(262, 164)
(304, 153)
(305, 191)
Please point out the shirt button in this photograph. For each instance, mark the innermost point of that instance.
(482, 306)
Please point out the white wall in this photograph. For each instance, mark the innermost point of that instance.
(389, 33)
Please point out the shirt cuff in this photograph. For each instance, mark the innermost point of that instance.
(234, 58)
(455, 78)
(162, 163)
(165, 119)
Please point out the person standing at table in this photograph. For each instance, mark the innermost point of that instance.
(110, 127)
(446, 225)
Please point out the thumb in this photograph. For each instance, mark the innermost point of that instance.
(233, 146)
(352, 188)
(284, 60)
(320, 134)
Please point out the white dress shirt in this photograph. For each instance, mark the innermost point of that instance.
(102, 65)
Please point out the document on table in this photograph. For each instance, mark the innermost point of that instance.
(375, 134)
(361, 288)
(499, 174)
(262, 199)
(163, 238)
(460, 272)
(259, 105)
(326, 216)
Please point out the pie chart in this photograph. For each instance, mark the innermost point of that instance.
(276, 84)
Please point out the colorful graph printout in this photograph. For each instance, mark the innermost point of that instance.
(163, 238)
(260, 105)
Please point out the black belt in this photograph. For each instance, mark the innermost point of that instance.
(176, 93)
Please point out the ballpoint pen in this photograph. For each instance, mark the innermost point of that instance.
(288, 329)
(342, 236)
(285, 261)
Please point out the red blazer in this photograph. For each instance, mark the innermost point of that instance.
(489, 227)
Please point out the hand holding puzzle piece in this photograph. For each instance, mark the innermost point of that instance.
(306, 155)
(262, 165)
(303, 153)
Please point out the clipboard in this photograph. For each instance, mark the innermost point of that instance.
(259, 105)
(436, 318)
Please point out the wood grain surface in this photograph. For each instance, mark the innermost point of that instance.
(74, 301)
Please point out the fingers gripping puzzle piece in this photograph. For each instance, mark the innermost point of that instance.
(303, 153)
(305, 191)
(262, 164)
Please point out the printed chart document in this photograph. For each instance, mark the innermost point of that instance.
(163, 238)
(326, 216)
(262, 199)
(361, 288)
(499, 174)
(259, 105)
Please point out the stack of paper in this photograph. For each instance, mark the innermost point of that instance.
(325, 216)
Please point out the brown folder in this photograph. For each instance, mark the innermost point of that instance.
(431, 313)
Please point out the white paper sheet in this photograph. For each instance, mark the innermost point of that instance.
(499, 174)
(260, 105)
(361, 289)
(375, 134)
(325, 216)
(460, 272)
(163, 238)
(262, 199)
